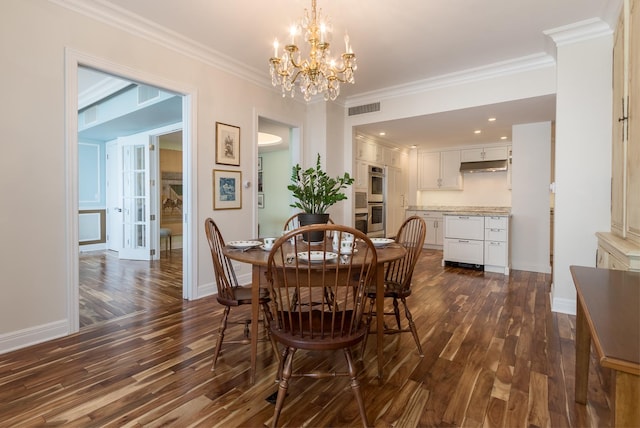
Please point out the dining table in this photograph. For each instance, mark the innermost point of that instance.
(258, 258)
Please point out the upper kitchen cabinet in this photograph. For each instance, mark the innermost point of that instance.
(484, 154)
(620, 248)
(439, 170)
(393, 157)
(370, 152)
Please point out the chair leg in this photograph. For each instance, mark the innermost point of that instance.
(396, 312)
(412, 326)
(267, 322)
(283, 385)
(221, 329)
(355, 386)
(368, 322)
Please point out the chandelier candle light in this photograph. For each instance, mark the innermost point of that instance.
(317, 74)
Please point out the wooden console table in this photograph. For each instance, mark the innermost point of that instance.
(609, 313)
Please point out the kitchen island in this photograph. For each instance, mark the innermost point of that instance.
(470, 236)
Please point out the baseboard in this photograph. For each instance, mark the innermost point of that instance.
(33, 335)
(532, 268)
(564, 306)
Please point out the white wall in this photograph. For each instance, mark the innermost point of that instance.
(487, 189)
(531, 172)
(583, 159)
(34, 262)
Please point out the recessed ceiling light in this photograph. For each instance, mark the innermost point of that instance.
(413, 146)
(477, 131)
(492, 119)
(382, 134)
(265, 139)
(504, 137)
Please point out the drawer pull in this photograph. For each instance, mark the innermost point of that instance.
(463, 240)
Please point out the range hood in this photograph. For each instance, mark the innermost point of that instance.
(484, 166)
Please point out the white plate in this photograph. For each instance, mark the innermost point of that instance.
(381, 242)
(316, 256)
(244, 244)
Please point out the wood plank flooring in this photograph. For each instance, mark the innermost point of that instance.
(495, 356)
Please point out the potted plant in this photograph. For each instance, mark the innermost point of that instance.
(315, 192)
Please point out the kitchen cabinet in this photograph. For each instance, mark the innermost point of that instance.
(482, 241)
(464, 239)
(620, 248)
(361, 175)
(369, 151)
(478, 154)
(395, 200)
(496, 244)
(439, 170)
(435, 227)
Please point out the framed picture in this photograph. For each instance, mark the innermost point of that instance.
(227, 144)
(227, 189)
(259, 163)
(260, 200)
(260, 188)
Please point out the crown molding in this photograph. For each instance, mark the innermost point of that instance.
(579, 31)
(134, 24)
(498, 69)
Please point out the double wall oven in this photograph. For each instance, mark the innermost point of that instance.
(369, 207)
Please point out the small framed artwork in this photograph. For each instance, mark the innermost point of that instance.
(259, 163)
(227, 144)
(260, 188)
(227, 190)
(260, 200)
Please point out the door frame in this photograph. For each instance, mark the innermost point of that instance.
(74, 59)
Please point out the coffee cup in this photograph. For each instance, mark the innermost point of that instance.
(346, 246)
(268, 243)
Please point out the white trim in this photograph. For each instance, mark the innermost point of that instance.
(563, 306)
(578, 31)
(122, 19)
(490, 71)
(74, 59)
(32, 336)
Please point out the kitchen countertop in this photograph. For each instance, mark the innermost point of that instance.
(463, 210)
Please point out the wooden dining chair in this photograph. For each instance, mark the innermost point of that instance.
(293, 223)
(230, 294)
(397, 279)
(304, 270)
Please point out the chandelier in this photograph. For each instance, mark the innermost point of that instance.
(318, 73)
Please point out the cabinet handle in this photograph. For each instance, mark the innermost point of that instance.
(466, 241)
(495, 230)
(463, 218)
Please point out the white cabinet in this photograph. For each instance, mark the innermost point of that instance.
(361, 175)
(478, 240)
(368, 151)
(496, 244)
(395, 197)
(439, 170)
(464, 239)
(484, 154)
(435, 227)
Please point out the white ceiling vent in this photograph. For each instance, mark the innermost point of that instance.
(90, 115)
(146, 93)
(367, 108)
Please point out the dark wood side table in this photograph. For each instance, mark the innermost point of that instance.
(609, 313)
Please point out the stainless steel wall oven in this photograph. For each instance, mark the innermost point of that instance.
(375, 191)
(376, 220)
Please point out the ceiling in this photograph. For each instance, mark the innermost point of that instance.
(396, 43)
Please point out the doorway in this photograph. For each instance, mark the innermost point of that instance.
(277, 146)
(183, 103)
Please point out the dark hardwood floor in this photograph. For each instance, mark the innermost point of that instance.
(495, 355)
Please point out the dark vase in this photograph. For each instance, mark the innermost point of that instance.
(307, 219)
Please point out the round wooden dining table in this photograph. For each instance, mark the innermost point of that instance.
(258, 259)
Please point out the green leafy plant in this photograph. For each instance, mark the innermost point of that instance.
(314, 190)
